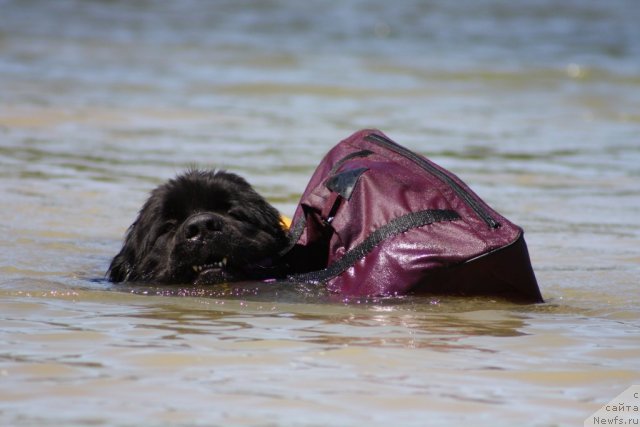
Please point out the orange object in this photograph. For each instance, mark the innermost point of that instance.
(285, 221)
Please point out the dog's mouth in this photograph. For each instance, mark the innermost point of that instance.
(216, 264)
(212, 271)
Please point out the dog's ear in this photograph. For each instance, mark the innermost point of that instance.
(124, 266)
(121, 267)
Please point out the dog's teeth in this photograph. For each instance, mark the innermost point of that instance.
(219, 264)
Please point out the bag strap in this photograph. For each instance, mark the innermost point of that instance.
(392, 228)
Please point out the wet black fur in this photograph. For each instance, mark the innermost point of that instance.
(198, 219)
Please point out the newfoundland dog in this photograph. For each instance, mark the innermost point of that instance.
(202, 227)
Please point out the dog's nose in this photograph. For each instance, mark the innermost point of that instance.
(199, 226)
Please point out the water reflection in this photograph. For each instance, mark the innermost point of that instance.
(392, 324)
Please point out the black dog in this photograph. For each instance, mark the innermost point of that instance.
(202, 227)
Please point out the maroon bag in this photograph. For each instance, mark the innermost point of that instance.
(379, 219)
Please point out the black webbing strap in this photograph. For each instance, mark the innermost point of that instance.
(393, 228)
(355, 154)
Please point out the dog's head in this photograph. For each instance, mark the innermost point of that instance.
(202, 227)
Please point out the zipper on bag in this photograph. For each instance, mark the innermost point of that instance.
(446, 179)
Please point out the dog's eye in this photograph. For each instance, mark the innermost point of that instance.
(167, 227)
(238, 214)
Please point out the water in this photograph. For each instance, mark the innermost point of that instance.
(533, 103)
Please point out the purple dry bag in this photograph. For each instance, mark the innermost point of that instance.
(379, 219)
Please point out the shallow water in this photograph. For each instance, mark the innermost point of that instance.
(534, 104)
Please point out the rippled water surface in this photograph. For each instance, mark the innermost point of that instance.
(533, 103)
